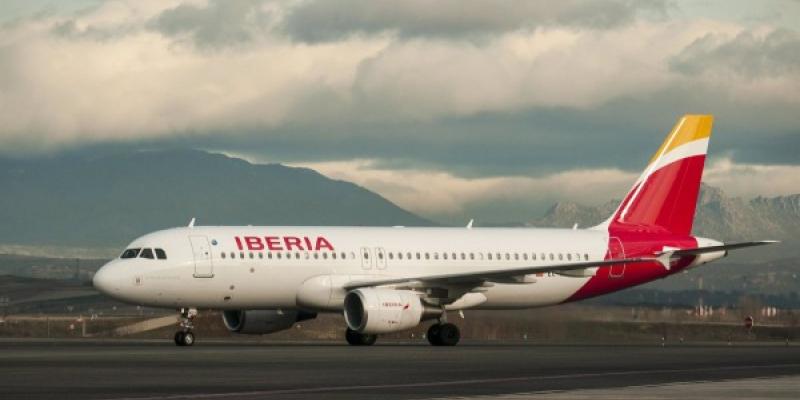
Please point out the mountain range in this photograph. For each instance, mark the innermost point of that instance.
(718, 216)
(108, 198)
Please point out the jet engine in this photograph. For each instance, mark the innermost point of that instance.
(372, 311)
(263, 321)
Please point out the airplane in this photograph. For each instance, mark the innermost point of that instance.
(265, 279)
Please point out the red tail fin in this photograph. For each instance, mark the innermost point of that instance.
(665, 195)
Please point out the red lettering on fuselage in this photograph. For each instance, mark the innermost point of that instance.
(277, 243)
(254, 243)
(292, 242)
(274, 243)
(323, 243)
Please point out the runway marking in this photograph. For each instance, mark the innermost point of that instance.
(445, 383)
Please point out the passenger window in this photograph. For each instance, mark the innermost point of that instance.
(516, 256)
(269, 255)
(418, 256)
(551, 257)
(260, 256)
(222, 255)
(316, 256)
(471, 256)
(343, 255)
(533, 256)
(251, 256)
(297, 255)
(569, 257)
(241, 255)
(490, 255)
(436, 255)
(325, 255)
(233, 255)
(366, 255)
(147, 253)
(444, 256)
(427, 256)
(586, 256)
(161, 254)
(333, 255)
(525, 256)
(560, 256)
(130, 253)
(278, 255)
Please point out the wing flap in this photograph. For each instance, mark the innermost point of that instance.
(492, 274)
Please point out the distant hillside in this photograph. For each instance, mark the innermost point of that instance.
(718, 216)
(110, 198)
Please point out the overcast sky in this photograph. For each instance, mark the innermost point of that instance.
(452, 108)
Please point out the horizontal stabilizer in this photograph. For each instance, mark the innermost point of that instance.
(665, 257)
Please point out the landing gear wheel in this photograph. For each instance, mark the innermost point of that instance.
(443, 335)
(187, 339)
(449, 335)
(359, 339)
(184, 338)
(433, 334)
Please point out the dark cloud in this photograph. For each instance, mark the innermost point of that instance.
(317, 21)
(220, 23)
(748, 54)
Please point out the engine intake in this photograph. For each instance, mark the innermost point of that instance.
(263, 321)
(373, 311)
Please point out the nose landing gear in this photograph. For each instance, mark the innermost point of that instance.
(185, 336)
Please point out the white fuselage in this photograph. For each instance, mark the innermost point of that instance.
(302, 267)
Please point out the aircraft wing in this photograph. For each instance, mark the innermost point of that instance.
(492, 274)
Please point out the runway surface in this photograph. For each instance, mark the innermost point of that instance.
(217, 370)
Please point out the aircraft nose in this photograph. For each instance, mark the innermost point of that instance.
(104, 281)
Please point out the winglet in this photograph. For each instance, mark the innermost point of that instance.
(191, 223)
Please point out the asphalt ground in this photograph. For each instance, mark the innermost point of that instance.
(116, 369)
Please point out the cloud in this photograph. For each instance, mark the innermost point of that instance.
(751, 54)
(316, 21)
(477, 89)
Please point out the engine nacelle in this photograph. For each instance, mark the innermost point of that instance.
(263, 321)
(373, 311)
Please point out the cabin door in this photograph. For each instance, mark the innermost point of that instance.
(203, 268)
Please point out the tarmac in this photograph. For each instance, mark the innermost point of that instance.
(127, 369)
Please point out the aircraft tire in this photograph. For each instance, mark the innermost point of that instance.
(187, 338)
(359, 339)
(433, 334)
(449, 335)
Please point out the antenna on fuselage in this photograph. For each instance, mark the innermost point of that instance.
(469, 224)
(191, 223)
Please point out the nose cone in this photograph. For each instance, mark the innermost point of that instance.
(104, 280)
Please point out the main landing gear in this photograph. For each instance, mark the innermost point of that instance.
(185, 336)
(359, 339)
(443, 334)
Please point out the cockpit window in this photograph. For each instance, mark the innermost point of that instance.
(161, 254)
(130, 253)
(146, 253)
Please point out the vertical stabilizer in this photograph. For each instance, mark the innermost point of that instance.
(665, 195)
